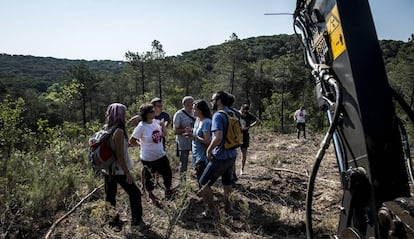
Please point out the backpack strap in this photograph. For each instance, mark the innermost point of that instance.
(191, 117)
(224, 112)
(227, 125)
(111, 131)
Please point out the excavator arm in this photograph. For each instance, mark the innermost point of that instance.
(342, 48)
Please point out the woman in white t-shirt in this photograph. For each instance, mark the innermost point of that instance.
(148, 135)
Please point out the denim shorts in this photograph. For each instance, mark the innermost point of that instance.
(216, 168)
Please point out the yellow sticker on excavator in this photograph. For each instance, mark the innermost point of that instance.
(335, 33)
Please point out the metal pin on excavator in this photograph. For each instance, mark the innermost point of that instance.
(342, 48)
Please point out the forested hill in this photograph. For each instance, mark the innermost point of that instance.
(40, 72)
(20, 71)
(262, 47)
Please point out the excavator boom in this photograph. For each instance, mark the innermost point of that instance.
(343, 51)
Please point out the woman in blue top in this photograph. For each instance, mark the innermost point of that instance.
(201, 135)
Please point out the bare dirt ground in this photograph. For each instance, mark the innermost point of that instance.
(268, 200)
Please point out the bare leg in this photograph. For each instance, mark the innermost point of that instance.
(244, 158)
(143, 180)
(208, 198)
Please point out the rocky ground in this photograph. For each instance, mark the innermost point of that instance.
(268, 199)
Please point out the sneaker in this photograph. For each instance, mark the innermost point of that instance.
(207, 214)
(116, 224)
(235, 178)
(169, 194)
(141, 226)
(199, 200)
(153, 198)
(241, 172)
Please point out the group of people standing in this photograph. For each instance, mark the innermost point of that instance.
(197, 131)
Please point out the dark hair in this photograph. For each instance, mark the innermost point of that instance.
(144, 109)
(203, 107)
(231, 99)
(245, 107)
(224, 97)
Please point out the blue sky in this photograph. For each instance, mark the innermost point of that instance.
(107, 29)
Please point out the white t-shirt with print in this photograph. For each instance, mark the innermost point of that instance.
(150, 136)
(300, 116)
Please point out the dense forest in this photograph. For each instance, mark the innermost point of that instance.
(267, 72)
(49, 107)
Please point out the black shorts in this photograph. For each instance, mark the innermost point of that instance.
(246, 139)
(300, 126)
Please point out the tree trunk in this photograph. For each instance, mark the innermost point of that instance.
(282, 115)
(232, 76)
(159, 82)
(84, 109)
(143, 78)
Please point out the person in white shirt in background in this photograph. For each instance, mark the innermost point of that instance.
(300, 116)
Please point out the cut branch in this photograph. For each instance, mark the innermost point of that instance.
(71, 211)
(302, 174)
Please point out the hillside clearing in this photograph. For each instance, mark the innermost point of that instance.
(268, 200)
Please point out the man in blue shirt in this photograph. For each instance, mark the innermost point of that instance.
(221, 160)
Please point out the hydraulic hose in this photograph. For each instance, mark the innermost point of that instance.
(403, 104)
(321, 152)
(404, 136)
(300, 22)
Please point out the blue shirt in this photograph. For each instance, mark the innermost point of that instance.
(219, 123)
(198, 151)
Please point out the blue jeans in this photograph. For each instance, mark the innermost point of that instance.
(216, 168)
(184, 160)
